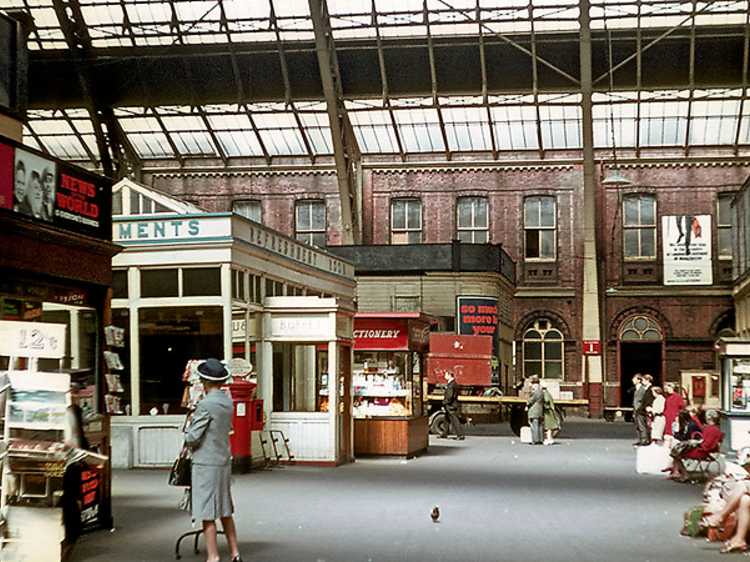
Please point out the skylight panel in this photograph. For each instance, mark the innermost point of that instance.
(560, 126)
(374, 132)
(621, 117)
(151, 145)
(193, 143)
(66, 147)
(714, 122)
(467, 128)
(318, 132)
(419, 130)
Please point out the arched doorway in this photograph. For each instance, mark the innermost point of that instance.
(640, 350)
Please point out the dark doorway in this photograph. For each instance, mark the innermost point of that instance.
(638, 357)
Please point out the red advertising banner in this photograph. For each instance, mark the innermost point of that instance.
(50, 190)
(90, 497)
(6, 177)
(375, 334)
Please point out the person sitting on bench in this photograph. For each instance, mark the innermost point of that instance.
(702, 449)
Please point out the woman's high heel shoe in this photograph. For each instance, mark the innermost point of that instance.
(733, 548)
(237, 559)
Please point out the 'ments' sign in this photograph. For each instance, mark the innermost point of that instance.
(48, 190)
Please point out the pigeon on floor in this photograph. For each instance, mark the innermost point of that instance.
(435, 515)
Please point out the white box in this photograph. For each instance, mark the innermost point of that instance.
(526, 434)
(652, 459)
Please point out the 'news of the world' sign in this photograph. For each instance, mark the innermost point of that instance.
(51, 191)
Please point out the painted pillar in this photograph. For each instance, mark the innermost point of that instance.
(592, 375)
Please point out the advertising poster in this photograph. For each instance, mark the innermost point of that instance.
(687, 249)
(34, 187)
(477, 316)
(51, 191)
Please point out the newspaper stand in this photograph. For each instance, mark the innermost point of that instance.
(34, 410)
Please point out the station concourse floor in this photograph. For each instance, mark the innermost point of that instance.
(500, 500)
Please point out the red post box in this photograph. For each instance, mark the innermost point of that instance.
(239, 440)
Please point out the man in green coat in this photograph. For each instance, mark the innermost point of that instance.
(535, 409)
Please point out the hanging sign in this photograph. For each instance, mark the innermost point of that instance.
(592, 347)
(380, 334)
(687, 249)
(48, 190)
(32, 339)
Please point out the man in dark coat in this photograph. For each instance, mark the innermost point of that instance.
(642, 399)
(450, 404)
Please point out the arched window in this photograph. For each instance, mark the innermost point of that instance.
(543, 350)
(640, 328)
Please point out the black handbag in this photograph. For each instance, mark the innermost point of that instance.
(180, 473)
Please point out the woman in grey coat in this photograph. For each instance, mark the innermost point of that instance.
(208, 439)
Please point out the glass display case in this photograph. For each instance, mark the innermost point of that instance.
(734, 354)
(739, 379)
(386, 384)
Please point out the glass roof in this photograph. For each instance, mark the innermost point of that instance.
(114, 23)
(398, 125)
(505, 123)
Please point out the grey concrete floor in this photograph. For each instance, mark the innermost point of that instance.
(500, 500)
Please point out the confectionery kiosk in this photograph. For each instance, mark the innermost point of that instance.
(387, 383)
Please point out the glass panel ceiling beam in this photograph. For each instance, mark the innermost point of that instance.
(691, 80)
(254, 125)
(168, 136)
(345, 151)
(224, 25)
(485, 87)
(77, 37)
(288, 99)
(212, 134)
(535, 82)
(384, 80)
(433, 80)
(39, 142)
(745, 65)
(282, 57)
(79, 137)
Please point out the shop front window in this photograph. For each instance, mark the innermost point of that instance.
(300, 378)
(82, 344)
(169, 338)
(120, 284)
(118, 382)
(386, 384)
(740, 385)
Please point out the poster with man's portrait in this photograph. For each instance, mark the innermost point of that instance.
(34, 187)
